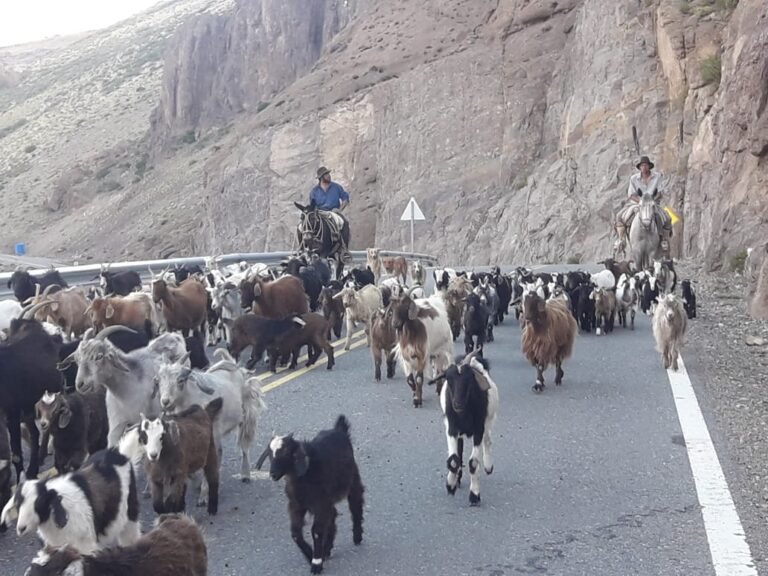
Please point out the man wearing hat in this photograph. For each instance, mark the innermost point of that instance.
(646, 181)
(328, 195)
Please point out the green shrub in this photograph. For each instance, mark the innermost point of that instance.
(710, 69)
(575, 259)
(261, 106)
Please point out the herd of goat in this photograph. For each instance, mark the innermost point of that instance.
(117, 377)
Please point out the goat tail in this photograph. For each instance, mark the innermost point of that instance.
(130, 447)
(342, 425)
(253, 406)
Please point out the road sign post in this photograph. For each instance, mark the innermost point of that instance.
(412, 212)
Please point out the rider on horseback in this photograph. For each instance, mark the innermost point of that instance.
(330, 197)
(644, 182)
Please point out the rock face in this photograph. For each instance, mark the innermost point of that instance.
(514, 123)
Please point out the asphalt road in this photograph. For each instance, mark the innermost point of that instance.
(590, 478)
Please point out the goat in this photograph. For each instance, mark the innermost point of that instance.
(424, 335)
(443, 277)
(626, 299)
(394, 288)
(333, 308)
(318, 474)
(310, 279)
(689, 299)
(196, 349)
(177, 447)
(27, 370)
(26, 286)
(418, 273)
(396, 266)
(132, 311)
(604, 279)
(649, 293)
(453, 297)
(128, 377)
(225, 300)
(312, 334)
(174, 547)
(669, 325)
(618, 268)
(78, 424)
(67, 309)
(383, 341)
(548, 336)
(666, 277)
(373, 262)
(490, 299)
(184, 271)
(359, 277)
(87, 509)
(179, 387)
(184, 308)
(476, 319)
(470, 401)
(5, 465)
(504, 290)
(118, 283)
(259, 333)
(9, 309)
(279, 299)
(359, 306)
(605, 309)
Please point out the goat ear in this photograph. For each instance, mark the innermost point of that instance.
(413, 311)
(110, 311)
(482, 381)
(53, 503)
(65, 417)
(300, 461)
(66, 363)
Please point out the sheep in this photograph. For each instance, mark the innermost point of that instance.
(333, 308)
(603, 279)
(373, 262)
(174, 547)
(27, 369)
(476, 318)
(135, 311)
(66, 308)
(689, 299)
(627, 299)
(78, 424)
(9, 309)
(359, 306)
(396, 266)
(6, 477)
(547, 337)
(424, 335)
(383, 342)
(605, 309)
(359, 277)
(128, 377)
(184, 308)
(418, 273)
(469, 399)
(87, 509)
(666, 277)
(318, 474)
(669, 325)
(176, 447)
(309, 277)
(618, 268)
(490, 299)
(279, 299)
(179, 387)
(26, 286)
(259, 333)
(311, 334)
(118, 283)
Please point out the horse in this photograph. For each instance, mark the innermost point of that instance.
(644, 234)
(316, 236)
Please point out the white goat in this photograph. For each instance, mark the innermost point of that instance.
(604, 279)
(9, 310)
(359, 306)
(627, 299)
(669, 325)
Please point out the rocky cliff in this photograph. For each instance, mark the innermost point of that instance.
(514, 123)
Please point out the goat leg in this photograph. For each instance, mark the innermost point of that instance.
(34, 448)
(330, 535)
(559, 372)
(14, 430)
(376, 352)
(329, 352)
(356, 501)
(391, 361)
(539, 386)
(158, 504)
(296, 516)
(417, 399)
(319, 535)
(460, 474)
(453, 463)
(475, 460)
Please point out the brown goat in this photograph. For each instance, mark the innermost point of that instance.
(278, 299)
(333, 308)
(397, 267)
(458, 289)
(312, 335)
(383, 341)
(619, 268)
(133, 311)
(547, 336)
(66, 308)
(185, 308)
(605, 309)
(174, 547)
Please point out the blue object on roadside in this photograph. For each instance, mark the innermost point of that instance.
(20, 249)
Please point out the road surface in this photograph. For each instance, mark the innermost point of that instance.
(590, 478)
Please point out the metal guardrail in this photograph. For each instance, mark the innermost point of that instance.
(88, 274)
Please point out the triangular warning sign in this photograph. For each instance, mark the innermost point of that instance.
(412, 211)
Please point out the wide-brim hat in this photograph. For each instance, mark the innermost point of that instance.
(322, 171)
(644, 160)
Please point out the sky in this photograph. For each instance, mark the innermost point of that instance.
(30, 20)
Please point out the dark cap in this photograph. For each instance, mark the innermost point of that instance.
(644, 160)
(322, 171)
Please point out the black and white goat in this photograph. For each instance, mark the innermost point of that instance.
(490, 299)
(470, 401)
(689, 298)
(318, 474)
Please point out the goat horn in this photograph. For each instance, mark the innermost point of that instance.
(111, 330)
(28, 313)
(436, 379)
(49, 288)
(260, 461)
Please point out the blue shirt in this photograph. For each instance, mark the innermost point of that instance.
(328, 199)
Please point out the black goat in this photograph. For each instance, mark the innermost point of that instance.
(259, 333)
(689, 298)
(361, 277)
(25, 286)
(475, 324)
(197, 356)
(181, 273)
(504, 290)
(318, 474)
(333, 308)
(584, 306)
(27, 369)
(310, 279)
(119, 283)
(470, 400)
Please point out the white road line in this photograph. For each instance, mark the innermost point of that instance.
(727, 543)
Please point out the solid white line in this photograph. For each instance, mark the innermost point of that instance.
(727, 543)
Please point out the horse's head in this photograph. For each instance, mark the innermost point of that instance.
(310, 226)
(646, 213)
